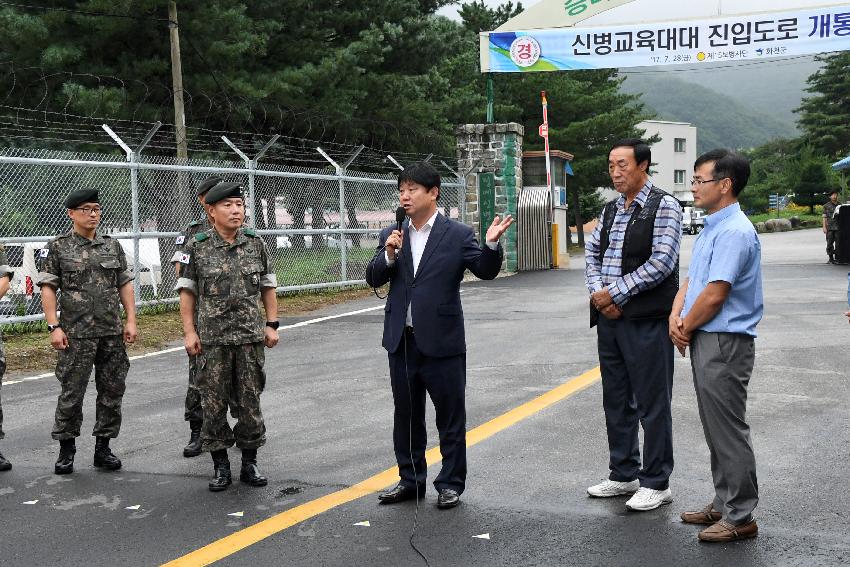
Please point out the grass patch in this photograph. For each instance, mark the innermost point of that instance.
(28, 347)
(312, 266)
(803, 215)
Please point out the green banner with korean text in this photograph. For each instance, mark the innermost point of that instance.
(723, 39)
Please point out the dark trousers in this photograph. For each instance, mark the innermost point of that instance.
(636, 359)
(831, 243)
(412, 374)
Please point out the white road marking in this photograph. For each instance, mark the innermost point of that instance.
(181, 349)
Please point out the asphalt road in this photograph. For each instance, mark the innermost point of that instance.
(328, 412)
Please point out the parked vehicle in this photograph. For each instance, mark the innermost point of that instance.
(693, 220)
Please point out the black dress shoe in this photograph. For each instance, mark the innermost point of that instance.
(5, 465)
(400, 493)
(448, 498)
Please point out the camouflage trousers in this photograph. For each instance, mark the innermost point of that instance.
(193, 409)
(232, 374)
(2, 372)
(73, 369)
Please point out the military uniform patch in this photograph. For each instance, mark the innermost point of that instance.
(184, 258)
(43, 253)
(180, 239)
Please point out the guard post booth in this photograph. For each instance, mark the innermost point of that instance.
(534, 179)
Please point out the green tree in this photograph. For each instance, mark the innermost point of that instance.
(773, 170)
(825, 116)
(587, 110)
(812, 185)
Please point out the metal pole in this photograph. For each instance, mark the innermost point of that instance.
(134, 198)
(461, 180)
(250, 165)
(340, 172)
(490, 117)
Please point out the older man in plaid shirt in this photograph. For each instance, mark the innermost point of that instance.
(632, 274)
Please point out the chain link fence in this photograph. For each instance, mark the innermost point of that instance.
(320, 225)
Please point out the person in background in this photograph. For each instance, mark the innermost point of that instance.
(830, 226)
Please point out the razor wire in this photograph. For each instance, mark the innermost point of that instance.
(320, 224)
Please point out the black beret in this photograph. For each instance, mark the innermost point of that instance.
(223, 191)
(79, 196)
(208, 184)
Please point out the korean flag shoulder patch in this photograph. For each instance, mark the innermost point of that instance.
(43, 253)
(184, 258)
(180, 239)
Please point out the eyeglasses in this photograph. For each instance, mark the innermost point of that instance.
(695, 181)
(89, 210)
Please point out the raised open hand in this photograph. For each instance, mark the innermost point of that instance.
(498, 227)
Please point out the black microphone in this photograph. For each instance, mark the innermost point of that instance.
(399, 217)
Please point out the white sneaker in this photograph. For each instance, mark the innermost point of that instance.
(609, 488)
(649, 499)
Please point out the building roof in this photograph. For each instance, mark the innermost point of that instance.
(666, 122)
(552, 153)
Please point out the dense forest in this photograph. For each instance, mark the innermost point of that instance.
(389, 74)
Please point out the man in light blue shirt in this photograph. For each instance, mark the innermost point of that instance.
(715, 313)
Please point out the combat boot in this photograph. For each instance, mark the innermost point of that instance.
(193, 449)
(103, 457)
(250, 474)
(65, 462)
(5, 465)
(221, 464)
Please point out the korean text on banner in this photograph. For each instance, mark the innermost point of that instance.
(733, 38)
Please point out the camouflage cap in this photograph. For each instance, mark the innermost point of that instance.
(208, 184)
(79, 196)
(223, 191)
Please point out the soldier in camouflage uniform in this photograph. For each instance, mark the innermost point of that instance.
(830, 226)
(226, 274)
(193, 412)
(5, 280)
(90, 270)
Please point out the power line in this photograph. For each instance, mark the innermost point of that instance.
(83, 12)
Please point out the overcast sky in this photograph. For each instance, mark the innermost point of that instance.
(652, 10)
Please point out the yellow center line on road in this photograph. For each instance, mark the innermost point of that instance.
(236, 541)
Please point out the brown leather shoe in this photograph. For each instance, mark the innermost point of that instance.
(723, 531)
(706, 516)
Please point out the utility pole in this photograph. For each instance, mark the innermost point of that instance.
(176, 207)
(177, 83)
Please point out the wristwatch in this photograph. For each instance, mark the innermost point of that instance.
(273, 324)
(51, 328)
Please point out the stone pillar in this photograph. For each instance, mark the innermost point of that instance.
(492, 153)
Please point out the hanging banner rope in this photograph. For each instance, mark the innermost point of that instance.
(726, 39)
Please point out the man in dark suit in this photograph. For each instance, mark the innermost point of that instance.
(423, 329)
